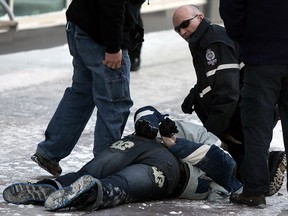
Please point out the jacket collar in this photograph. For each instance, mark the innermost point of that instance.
(195, 38)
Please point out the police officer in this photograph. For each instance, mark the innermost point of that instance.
(216, 95)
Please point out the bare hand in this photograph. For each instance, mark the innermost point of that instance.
(169, 141)
(113, 60)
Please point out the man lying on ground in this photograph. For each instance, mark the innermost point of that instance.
(138, 167)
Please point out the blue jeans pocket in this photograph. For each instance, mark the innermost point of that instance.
(117, 88)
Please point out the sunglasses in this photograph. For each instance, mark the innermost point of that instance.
(184, 24)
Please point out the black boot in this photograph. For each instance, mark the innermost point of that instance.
(243, 199)
(88, 193)
(135, 64)
(85, 192)
(112, 196)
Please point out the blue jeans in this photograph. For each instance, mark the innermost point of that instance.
(143, 168)
(93, 84)
(122, 154)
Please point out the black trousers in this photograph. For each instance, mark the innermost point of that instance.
(264, 87)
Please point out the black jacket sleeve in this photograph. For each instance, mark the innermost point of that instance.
(112, 19)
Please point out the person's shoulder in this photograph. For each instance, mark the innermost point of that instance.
(218, 30)
(217, 33)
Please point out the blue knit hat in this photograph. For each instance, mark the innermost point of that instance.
(150, 114)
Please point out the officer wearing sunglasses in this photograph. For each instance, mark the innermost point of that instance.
(215, 96)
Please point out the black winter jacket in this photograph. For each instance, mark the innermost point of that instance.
(109, 22)
(260, 27)
(217, 91)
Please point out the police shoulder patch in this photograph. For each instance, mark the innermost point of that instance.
(210, 56)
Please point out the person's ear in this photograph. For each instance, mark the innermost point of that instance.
(201, 16)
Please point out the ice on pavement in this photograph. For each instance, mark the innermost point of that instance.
(32, 84)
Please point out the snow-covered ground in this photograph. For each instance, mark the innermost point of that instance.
(32, 84)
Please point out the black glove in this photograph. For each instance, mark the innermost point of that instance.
(188, 103)
(167, 127)
(144, 129)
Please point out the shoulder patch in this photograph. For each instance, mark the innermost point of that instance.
(211, 58)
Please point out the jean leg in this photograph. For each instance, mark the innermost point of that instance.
(69, 178)
(107, 163)
(113, 103)
(111, 91)
(138, 182)
(259, 97)
(73, 111)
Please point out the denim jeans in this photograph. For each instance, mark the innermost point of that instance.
(93, 84)
(142, 167)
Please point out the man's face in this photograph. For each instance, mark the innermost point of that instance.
(186, 24)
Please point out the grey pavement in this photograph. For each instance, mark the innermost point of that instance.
(32, 84)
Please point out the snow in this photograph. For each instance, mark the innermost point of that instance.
(32, 83)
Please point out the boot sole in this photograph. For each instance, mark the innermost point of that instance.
(66, 196)
(25, 193)
(277, 182)
(40, 164)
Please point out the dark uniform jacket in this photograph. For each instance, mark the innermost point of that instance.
(216, 94)
(112, 23)
(259, 27)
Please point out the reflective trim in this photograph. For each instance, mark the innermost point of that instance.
(205, 91)
(222, 67)
(242, 65)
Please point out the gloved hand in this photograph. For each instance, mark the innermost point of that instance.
(167, 127)
(188, 103)
(144, 129)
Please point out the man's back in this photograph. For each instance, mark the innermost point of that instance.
(260, 27)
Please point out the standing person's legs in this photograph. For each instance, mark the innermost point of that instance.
(110, 92)
(283, 109)
(135, 54)
(259, 97)
(110, 88)
(73, 111)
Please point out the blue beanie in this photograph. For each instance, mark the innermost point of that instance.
(149, 114)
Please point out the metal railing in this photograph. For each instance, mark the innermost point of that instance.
(11, 23)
